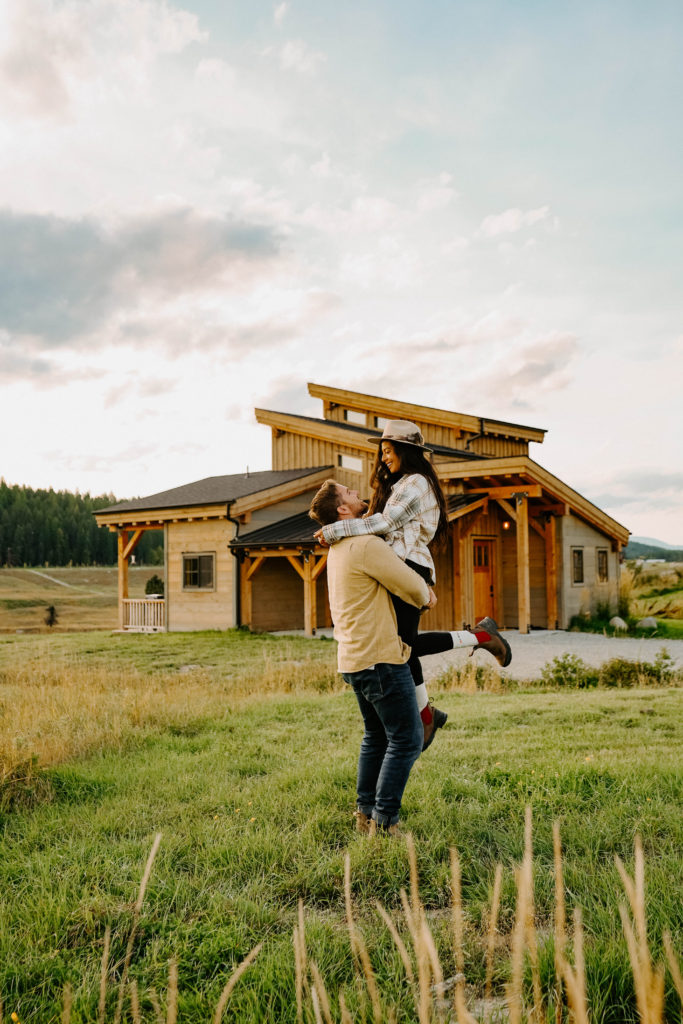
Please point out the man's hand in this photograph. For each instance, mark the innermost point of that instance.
(432, 598)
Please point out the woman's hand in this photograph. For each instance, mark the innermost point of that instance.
(320, 539)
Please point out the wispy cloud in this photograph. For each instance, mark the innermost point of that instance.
(51, 48)
(511, 221)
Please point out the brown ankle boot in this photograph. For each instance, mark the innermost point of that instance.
(390, 830)
(497, 645)
(363, 822)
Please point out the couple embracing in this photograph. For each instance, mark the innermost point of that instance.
(380, 575)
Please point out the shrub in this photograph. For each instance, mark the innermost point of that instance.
(568, 670)
(154, 585)
(619, 672)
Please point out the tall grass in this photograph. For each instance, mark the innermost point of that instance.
(431, 997)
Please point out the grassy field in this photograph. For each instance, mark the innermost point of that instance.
(241, 752)
(85, 598)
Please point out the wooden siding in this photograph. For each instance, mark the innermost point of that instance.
(580, 598)
(201, 609)
(278, 597)
(291, 451)
(537, 586)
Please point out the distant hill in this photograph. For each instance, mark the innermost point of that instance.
(651, 542)
(645, 549)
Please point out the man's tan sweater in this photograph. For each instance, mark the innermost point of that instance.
(360, 571)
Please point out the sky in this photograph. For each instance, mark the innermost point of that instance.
(476, 206)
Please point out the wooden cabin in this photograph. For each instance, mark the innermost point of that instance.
(239, 550)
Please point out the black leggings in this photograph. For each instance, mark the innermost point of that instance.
(408, 620)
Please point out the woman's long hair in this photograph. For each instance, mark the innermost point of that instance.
(413, 460)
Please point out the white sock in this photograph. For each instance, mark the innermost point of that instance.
(422, 698)
(463, 638)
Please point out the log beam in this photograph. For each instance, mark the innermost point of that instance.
(523, 592)
(458, 617)
(551, 573)
(122, 543)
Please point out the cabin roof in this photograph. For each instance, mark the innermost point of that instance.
(369, 432)
(300, 528)
(213, 490)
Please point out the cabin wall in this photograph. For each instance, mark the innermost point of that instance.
(538, 608)
(294, 451)
(278, 597)
(583, 598)
(274, 513)
(200, 609)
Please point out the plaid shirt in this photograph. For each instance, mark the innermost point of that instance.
(408, 522)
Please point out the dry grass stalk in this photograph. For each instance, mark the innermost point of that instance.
(321, 991)
(232, 981)
(135, 1002)
(156, 1005)
(493, 927)
(316, 1006)
(398, 941)
(529, 927)
(301, 961)
(67, 1002)
(136, 918)
(101, 1008)
(172, 998)
(344, 1010)
(648, 980)
(513, 990)
(672, 960)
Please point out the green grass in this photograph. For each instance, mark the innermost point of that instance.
(255, 807)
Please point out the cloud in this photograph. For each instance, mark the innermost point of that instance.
(296, 55)
(637, 486)
(511, 221)
(279, 13)
(63, 277)
(436, 194)
(53, 48)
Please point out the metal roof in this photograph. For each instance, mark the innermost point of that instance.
(298, 529)
(214, 490)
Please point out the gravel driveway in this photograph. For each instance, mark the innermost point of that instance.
(531, 651)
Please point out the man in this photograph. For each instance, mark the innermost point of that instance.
(372, 657)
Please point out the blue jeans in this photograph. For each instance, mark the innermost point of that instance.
(392, 741)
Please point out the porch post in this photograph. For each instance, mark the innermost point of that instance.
(523, 594)
(122, 544)
(458, 618)
(551, 572)
(310, 602)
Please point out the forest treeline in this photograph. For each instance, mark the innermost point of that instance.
(58, 528)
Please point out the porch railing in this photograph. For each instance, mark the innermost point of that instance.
(144, 614)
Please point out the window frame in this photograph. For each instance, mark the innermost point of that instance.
(599, 554)
(578, 553)
(197, 555)
(349, 469)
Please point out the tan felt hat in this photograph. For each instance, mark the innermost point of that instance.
(404, 432)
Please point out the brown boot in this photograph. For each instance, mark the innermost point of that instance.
(497, 645)
(363, 822)
(439, 719)
(390, 830)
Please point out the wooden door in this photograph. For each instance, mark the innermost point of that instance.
(483, 578)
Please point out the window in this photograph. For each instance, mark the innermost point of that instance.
(577, 565)
(350, 462)
(603, 571)
(379, 422)
(198, 572)
(353, 416)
